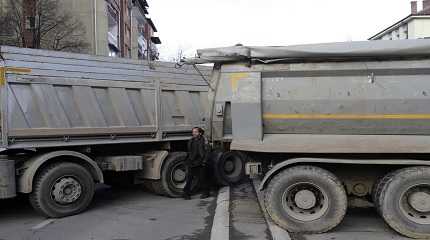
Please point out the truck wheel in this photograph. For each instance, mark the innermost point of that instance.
(155, 186)
(377, 188)
(62, 189)
(229, 168)
(173, 174)
(405, 202)
(306, 199)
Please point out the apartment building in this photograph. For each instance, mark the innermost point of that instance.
(414, 26)
(117, 28)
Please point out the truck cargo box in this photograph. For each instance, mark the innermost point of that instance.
(53, 99)
(364, 97)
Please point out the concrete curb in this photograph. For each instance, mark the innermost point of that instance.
(277, 232)
(221, 223)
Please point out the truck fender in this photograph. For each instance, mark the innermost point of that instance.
(31, 166)
(152, 165)
(294, 161)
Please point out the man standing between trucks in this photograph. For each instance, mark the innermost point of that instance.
(198, 150)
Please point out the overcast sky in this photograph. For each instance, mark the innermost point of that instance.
(193, 24)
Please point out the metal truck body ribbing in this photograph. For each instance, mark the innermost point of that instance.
(52, 99)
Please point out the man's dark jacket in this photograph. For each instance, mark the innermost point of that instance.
(197, 152)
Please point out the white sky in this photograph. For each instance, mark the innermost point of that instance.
(193, 24)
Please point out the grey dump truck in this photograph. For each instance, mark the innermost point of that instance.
(69, 121)
(328, 125)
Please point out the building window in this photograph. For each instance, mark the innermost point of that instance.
(142, 43)
(153, 52)
(30, 23)
(113, 32)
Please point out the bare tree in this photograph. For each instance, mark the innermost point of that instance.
(179, 56)
(47, 26)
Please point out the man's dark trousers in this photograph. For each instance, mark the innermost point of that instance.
(197, 173)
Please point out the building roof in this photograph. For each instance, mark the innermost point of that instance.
(142, 4)
(424, 12)
(152, 24)
(156, 40)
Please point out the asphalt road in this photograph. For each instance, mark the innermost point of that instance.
(358, 224)
(133, 214)
(115, 214)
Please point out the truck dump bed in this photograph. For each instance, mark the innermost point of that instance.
(355, 97)
(53, 99)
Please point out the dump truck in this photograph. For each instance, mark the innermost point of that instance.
(328, 125)
(69, 121)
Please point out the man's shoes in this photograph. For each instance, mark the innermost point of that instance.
(205, 195)
(187, 197)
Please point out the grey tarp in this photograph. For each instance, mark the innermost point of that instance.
(342, 50)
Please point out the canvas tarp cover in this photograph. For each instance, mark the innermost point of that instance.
(364, 49)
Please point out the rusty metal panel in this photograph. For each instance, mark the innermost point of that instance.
(61, 99)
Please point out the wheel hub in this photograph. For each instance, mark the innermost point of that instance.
(415, 203)
(305, 199)
(420, 201)
(229, 166)
(179, 175)
(66, 190)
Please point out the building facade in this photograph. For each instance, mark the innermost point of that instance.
(414, 26)
(117, 28)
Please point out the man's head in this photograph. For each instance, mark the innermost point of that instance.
(197, 132)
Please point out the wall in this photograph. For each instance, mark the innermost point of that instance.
(134, 36)
(420, 28)
(84, 11)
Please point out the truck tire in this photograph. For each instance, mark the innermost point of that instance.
(306, 199)
(405, 202)
(155, 186)
(173, 174)
(377, 188)
(62, 189)
(229, 168)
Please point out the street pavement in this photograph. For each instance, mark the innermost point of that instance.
(115, 214)
(358, 224)
(133, 214)
(247, 220)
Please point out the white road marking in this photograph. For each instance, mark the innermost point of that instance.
(43, 224)
(221, 223)
(277, 232)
